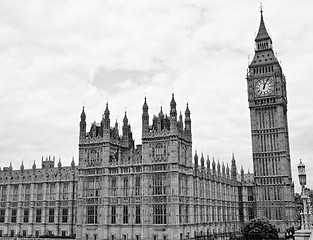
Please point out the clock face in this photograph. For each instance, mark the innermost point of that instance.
(264, 86)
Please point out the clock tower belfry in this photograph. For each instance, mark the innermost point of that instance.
(267, 98)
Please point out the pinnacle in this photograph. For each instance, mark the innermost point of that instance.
(262, 33)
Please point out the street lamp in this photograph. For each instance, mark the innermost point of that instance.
(302, 176)
(302, 179)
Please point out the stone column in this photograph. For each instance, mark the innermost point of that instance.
(7, 210)
(31, 210)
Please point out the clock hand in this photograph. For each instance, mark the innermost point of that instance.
(264, 84)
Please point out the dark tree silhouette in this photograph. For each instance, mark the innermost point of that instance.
(259, 229)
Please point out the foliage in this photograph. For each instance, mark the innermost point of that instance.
(259, 229)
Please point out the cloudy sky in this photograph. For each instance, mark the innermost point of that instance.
(56, 56)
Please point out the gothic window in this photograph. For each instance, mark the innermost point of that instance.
(2, 215)
(159, 187)
(195, 214)
(113, 214)
(15, 193)
(159, 214)
(51, 191)
(64, 190)
(113, 186)
(125, 214)
(13, 215)
(51, 215)
(180, 213)
(64, 215)
(187, 213)
(138, 185)
(92, 214)
(38, 215)
(92, 187)
(3, 193)
(27, 192)
(125, 185)
(39, 192)
(138, 218)
(26, 215)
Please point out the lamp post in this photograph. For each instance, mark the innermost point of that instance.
(302, 179)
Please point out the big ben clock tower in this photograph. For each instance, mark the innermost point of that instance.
(269, 130)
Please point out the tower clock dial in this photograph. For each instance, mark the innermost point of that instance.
(264, 87)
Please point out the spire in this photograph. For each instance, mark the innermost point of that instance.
(208, 163)
(242, 173)
(106, 111)
(173, 112)
(34, 166)
(145, 118)
(202, 161)
(196, 159)
(22, 167)
(106, 121)
(262, 33)
(59, 164)
(82, 125)
(173, 103)
(187, 120)
(233, 168)
(213, 165)
(161, 114)
(187, 112)
(125, 120)
(145, 106)
(83, 115)
(73, 163)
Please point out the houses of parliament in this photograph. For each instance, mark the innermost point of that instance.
(161, 189)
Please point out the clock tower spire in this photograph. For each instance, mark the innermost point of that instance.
(269, 131)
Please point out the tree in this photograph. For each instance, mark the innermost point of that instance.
(259, 229)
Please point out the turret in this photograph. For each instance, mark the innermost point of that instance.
(227, 171)
(73, 164)
(173, 115)
(202, 161)
(10, 168)
(187, 120)
(213, 166)
(125, 126)
(34, 166)
(22, 168)
(106, 120)
(223, 169)
(173, 112)
(82, 125)
(145, 118)
(180, 122)
(115, 130)
(242, 173)
(59, 165)
(218, 167)
(233, 169)
(196, 160)
(208, 163)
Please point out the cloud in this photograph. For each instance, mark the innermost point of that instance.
(56, 57)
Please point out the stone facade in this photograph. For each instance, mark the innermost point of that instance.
(37, 202)
(153, 191)
(269, 129)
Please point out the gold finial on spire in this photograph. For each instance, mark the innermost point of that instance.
(261, 7)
